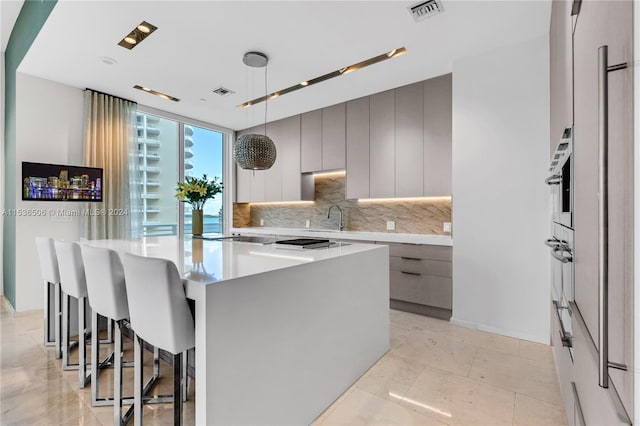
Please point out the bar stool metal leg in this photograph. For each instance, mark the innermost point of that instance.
(82, 345)
(57, 293)
(49, 334)
(177, 389)
(137, 380)
(117, 372)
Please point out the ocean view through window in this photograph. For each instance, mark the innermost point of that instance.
(203, 155)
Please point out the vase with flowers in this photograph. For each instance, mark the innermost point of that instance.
(196, 191)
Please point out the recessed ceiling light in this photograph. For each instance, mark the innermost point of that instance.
(137, 35)
(155, 92)
(342, 71)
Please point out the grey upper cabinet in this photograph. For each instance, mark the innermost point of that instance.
(357, 177)
(289, 156)
(409, 146)
(273, 176)
(438, 107)
(599, 24)
(409, 142)
(323, 134)
(282, 182)
(311, 141)
(382, 145)
(333, 137)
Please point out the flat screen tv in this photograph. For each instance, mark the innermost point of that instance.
(55, 182)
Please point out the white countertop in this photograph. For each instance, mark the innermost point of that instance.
(207, 262)
(388, 237)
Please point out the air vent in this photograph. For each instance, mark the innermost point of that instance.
(223, 91)
(425, 9)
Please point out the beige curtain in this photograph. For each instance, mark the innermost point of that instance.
(110, 142)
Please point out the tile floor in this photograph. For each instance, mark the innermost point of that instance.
(434, 374)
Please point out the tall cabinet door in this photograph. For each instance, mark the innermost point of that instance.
(409, 148)
(357, 179)
(438, 116)
(289, 156)
(333, 137)
(382, 144)
(604, 23)
(311, 141)
(273, 176)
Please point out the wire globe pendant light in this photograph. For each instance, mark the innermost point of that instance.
(255, 151)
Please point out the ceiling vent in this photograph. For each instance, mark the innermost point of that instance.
(223, 91)
(425, 9)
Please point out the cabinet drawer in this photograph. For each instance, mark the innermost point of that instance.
(423, 289)
(420, 266)
(420, 251)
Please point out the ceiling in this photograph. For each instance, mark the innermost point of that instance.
(199, 46)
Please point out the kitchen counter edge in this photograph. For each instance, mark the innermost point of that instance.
(383, 237)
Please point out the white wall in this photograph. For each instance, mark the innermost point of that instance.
(48, 130)
(500, 202)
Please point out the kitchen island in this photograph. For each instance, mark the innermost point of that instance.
(280, 332)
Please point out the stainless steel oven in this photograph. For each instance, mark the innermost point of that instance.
(561, 180)
(561, 241)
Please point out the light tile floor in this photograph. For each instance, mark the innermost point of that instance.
(434, 374)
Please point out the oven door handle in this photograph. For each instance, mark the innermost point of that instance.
(558, 253)
(553, 180)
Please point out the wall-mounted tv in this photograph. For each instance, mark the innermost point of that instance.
(55, 182)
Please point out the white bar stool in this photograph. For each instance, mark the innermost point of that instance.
(161, 316)
(51, 276)
(73, 284)
(107, 297)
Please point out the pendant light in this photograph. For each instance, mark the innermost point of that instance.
(255, 151)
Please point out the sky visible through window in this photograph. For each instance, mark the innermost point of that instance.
(207, 158)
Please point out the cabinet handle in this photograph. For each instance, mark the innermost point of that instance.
(603, 212)
(553, 180)
(410, 273)
(410, 258)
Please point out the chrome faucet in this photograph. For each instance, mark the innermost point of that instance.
(341, 224)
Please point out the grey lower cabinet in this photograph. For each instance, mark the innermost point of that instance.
(420, 279)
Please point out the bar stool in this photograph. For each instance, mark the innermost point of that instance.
(51, 277)
(160, 315)
(73, 284)
(107, 297)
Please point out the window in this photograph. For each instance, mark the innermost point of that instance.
(159, 170)
(203, 154)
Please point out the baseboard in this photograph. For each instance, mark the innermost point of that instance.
(501, 331)
(415, 308)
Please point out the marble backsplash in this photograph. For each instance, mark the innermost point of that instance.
(414, 216)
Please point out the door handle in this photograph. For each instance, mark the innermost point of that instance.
(603, 213)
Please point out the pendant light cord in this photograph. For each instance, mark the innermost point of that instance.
(266, 101)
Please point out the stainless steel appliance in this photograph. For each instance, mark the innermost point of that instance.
(561, 180)
(561, 241)
(562, 284)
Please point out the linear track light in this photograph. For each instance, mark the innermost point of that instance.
(342, 71)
